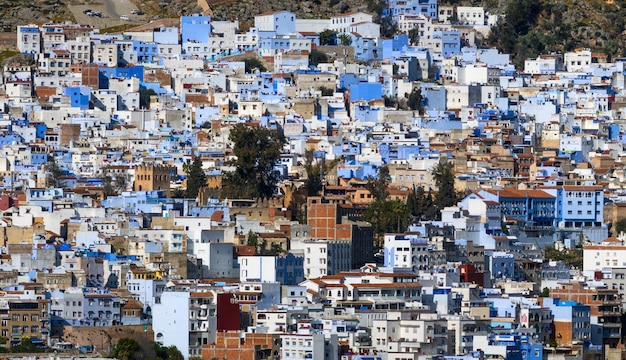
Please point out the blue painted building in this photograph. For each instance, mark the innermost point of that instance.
(530, 208)
(38, 158)
(578, 206)
(394, 47)
(120, 73)
(166, 35)
(366, 91)
(518, 346)
(449, 42)
(345, 80)
(289, 269)
(501, 264)
(434, 98)
(367, 113)
(195, 28)
(413, 7)
(79, 96)
(146, 52)
(348, 149)
(365, 49)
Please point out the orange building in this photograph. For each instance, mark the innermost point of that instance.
(239, 346)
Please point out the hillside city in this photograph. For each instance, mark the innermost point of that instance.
(325, 189)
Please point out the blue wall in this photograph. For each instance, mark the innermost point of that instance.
(366, 91)
(195, 28)
(79, 96)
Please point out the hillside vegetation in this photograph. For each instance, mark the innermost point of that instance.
(533, 27)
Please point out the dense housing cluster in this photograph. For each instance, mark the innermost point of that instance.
(309, 189)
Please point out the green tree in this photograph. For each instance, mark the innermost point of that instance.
(414, 36)
(379, 186)
(444, 178)
(328, 37)
(345, 39)
(316, 169)
(620, 226)
(113, 186)
(25, 346)
(257, 151)
(167, 352)
(572, 257)
(196, 178)
(390, 101)
(387, 216)
(326, 91)
(317, 57)
(52, 172)
(125, 349)
(252, 63)
(388, 27)
(253, 239)
(420, 204)
(414, 100)
(178, 193)
(276, 249)
(545, 292)
(144, 97)
(430, 211)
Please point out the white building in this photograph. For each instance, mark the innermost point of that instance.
(186, 320)
(146, 291)
(342, 22)
(279, 22)
(406, 251)
(471, 15)
(543, 65)
(79, 49)
(611, 253)
(323, 257)
(577, 60)
(105, 54)
(259, 268)
(308, 346)
(404, 332)
(29, 39)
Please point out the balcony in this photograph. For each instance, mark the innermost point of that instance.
(611, 302)
(611, 335)
(612, 324)
(611, 313)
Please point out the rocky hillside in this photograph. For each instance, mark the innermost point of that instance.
(18, 12)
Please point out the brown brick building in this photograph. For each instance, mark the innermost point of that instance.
(237, 346)
(339, 221)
